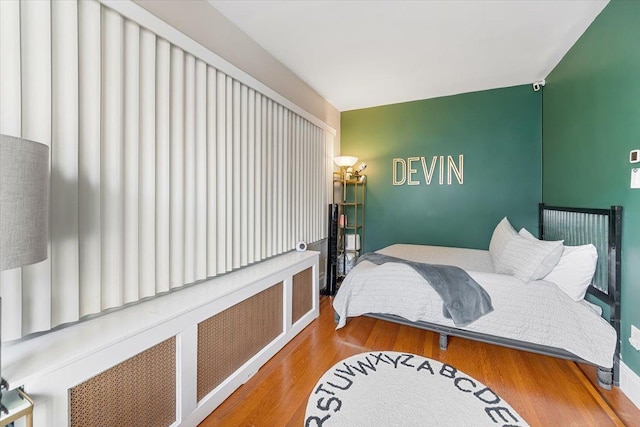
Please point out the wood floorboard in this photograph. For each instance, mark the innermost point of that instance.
(545, 391)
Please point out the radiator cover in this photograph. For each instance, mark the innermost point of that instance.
(227, 340)
(141, 391)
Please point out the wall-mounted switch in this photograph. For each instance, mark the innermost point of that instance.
(634, 339)
(634, 156)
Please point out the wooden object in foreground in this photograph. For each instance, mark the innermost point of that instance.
(544, 390)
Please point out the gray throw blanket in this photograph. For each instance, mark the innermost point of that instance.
(464, 299)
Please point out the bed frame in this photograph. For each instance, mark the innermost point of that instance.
(576, 226)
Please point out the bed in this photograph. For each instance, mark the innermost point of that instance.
(533, 308)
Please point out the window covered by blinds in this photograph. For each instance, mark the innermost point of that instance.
(164, 169)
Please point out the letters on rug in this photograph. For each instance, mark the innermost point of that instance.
(388, 388)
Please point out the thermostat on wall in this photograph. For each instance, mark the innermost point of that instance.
(634, 156)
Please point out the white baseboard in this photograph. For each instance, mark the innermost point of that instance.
(630, 384)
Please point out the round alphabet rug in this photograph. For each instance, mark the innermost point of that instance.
(388, 388)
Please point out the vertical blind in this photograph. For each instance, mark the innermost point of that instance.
(164, 170)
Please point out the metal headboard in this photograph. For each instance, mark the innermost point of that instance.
(602, 228)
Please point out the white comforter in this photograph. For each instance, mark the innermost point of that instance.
(537, 312)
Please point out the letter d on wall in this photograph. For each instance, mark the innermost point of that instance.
(403, 173)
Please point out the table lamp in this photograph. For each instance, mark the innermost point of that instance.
(24, 208)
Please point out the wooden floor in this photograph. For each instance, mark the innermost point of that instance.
(545, 391)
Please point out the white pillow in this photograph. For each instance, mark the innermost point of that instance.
(575, 269)
(529, 259)
(525, 233)
(501, 235)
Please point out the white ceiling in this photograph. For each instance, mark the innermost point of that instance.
(359, 54)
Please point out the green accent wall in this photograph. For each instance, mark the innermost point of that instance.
(498, 132)
(591, 120)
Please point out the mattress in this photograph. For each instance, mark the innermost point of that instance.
(537, 312)
(467, 259)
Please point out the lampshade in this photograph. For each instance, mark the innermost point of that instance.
(24, 201)
(345, 160)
